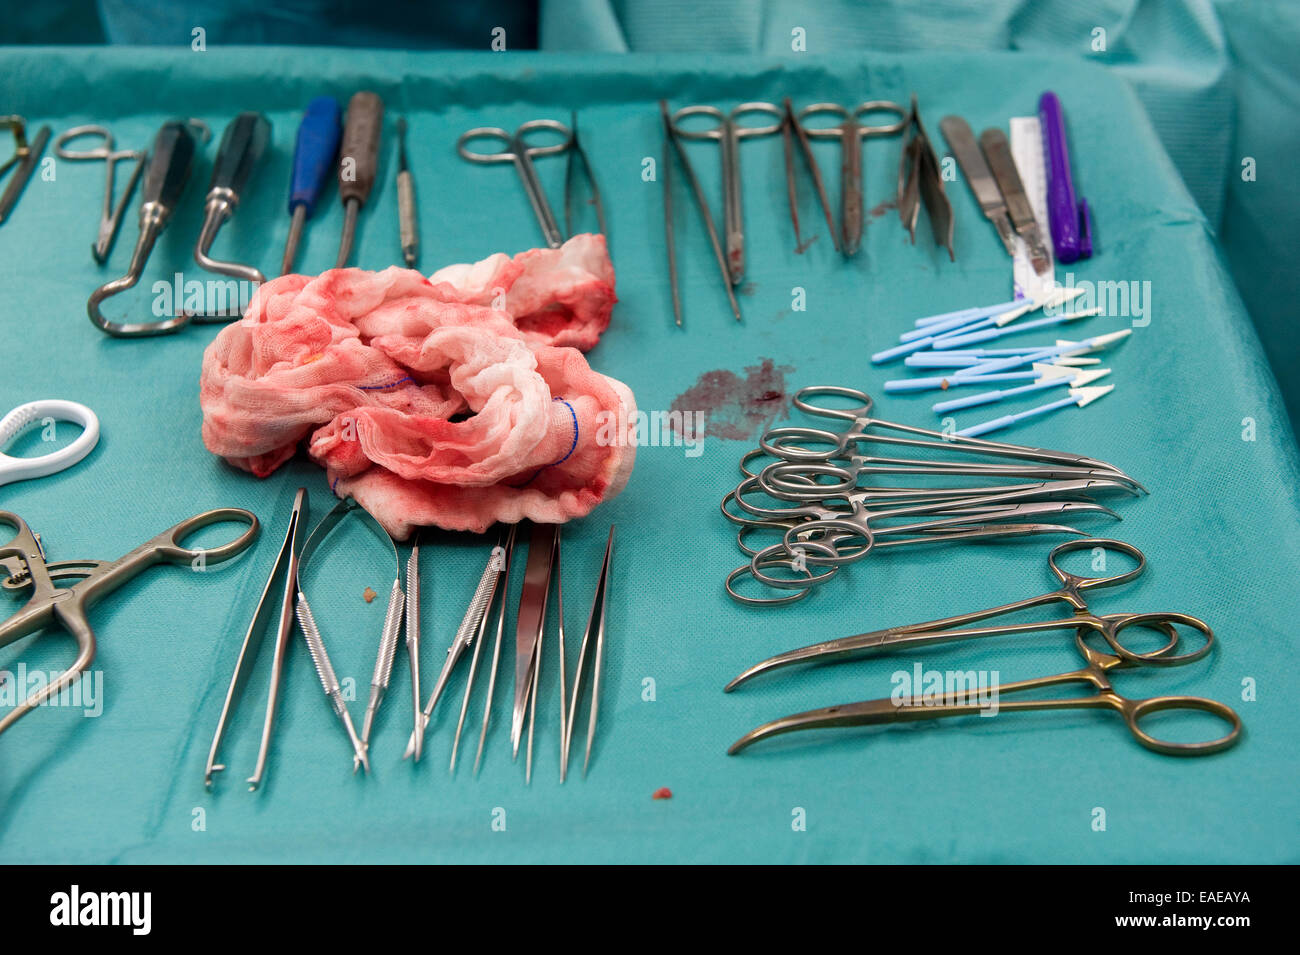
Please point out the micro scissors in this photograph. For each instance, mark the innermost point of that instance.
(728, 133)
(515, 149)
(1096, 672)
(67, 607)
(850, 133)
(110, 216)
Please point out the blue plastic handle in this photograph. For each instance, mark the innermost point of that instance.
(314, 152)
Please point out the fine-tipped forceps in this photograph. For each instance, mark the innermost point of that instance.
(1095, 673)
(921, 180)
(515, 149)
(287, 562)
(728, 132)
(850, 133)
(530, 622)
(67, 607)
(785, 442)
(673, 148)
(593, 649)
(468, 634)
(111, 214)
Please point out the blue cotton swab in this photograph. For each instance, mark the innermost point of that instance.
(1052, 376)
(1078, 397)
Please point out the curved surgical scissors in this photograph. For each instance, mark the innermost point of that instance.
(67, 607)
(110, 216)
(39, 412)
(728, 132)
(1095, 673)
(850, 133)
(515, 149)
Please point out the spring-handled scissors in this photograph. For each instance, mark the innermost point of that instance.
(67, 607)
(1098, 664)
(515, 149)
(42, 412)
(728, 132)
(850, 133)
(110, 216)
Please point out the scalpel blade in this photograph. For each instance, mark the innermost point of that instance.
(978, 175)
(998, 153)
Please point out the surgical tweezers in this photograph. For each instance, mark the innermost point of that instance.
(287, 562)
(469, 633)
(593, 649)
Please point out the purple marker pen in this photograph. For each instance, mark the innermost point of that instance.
(1070, 220)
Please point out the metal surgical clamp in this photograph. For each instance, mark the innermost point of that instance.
(921, 180)
(67, 607)
(515, 150)
(850, 134)
(111, 214)
(167, 173)
(1080, 620)
(287, 562)
(728, 133)
(242, 146)
(529, 626)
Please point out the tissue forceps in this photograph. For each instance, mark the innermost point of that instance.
(110, 216)
(1082, 621)
(515, 150)
(67, 607)
(286, 560)
(728, 133)
(850, 134)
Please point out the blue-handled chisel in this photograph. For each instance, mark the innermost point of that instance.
(313, 162)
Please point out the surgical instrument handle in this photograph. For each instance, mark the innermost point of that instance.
(408, 232)
(358, 159)
(360, 146)
(242, 146)
(313, 153)
(169, 170)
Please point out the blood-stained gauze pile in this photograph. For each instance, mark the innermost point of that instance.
(454, 401)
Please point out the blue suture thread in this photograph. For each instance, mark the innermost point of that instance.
(567, 454)
(391, 384)
(573, 446)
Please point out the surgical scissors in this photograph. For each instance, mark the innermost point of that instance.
(110, 216)
(67, 607)
(850, 134)
(1095, 673)
(728, 133)
(515, 149)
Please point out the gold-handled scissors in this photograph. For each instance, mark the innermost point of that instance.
(1099, 664)
(66, 607)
